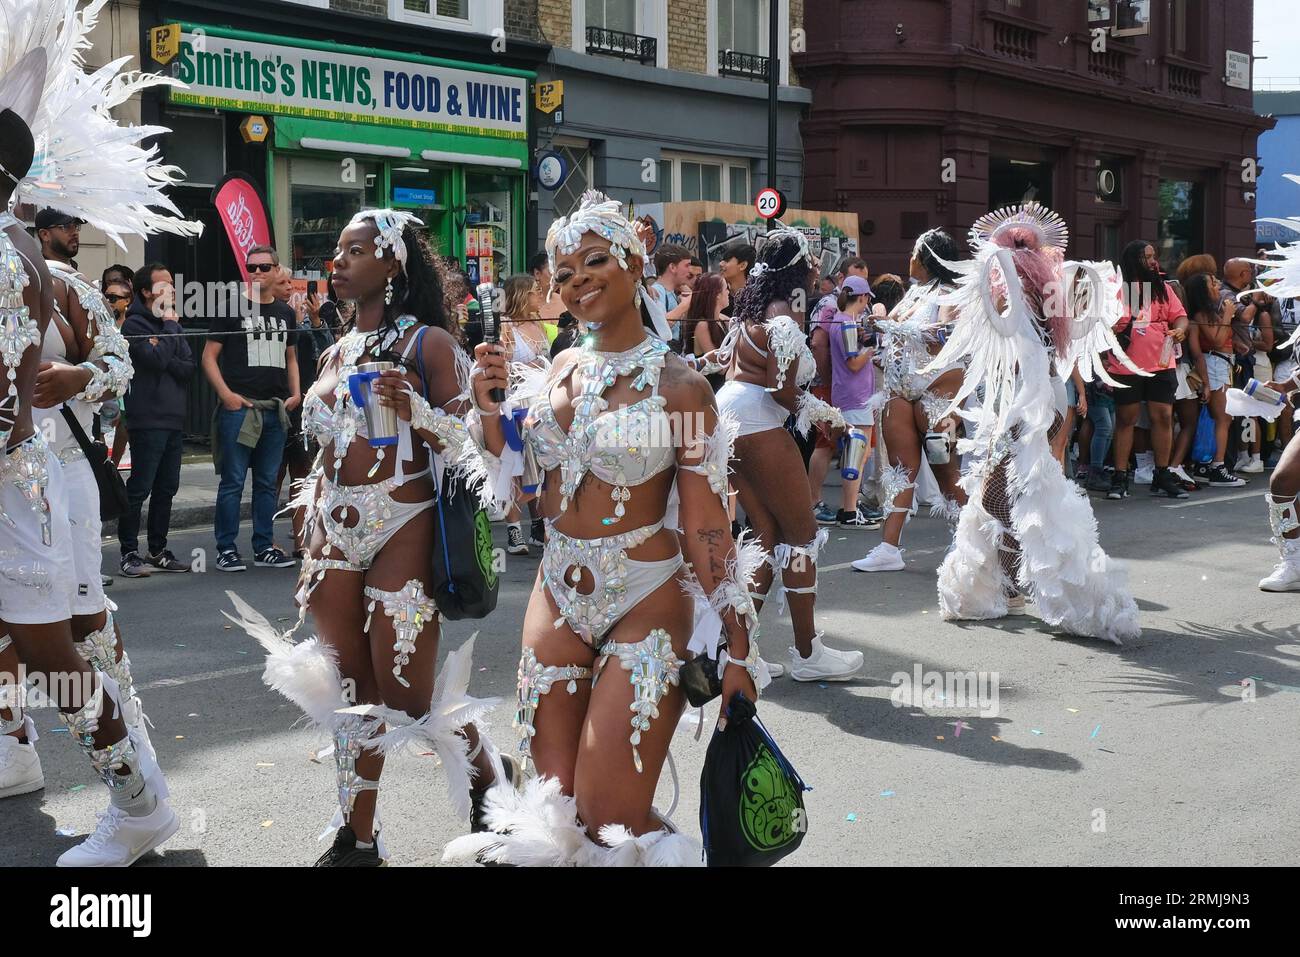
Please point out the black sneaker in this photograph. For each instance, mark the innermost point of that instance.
(855, 520)
(1166, 483)
(165, 561)
(1219, 477)
(1118, 486)
(273, 558)
(538, 535)
(230, 561)
(345, 852)
(133, 566)
(1201, 473)
(515, 544)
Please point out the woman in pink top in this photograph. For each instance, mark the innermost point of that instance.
(1151, 340)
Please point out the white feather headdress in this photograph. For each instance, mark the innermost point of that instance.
(598, 214)
(390, 223)
(1280, 277)
(87, 164)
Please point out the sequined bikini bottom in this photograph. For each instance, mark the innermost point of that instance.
(619, 583)
(379, 517)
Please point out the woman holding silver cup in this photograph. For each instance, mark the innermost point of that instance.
(384, 409)
(914, 420)
(854, 393)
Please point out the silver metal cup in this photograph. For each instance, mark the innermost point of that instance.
(849, 338)
(856, 449)
(381, 420)
(531, 480)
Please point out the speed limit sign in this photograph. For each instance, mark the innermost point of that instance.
(770, 203)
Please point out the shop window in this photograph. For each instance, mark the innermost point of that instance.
(321, 202)
(489, 218)
(569, 193)
(1181, 231)
(1013, 181)
(197, 144)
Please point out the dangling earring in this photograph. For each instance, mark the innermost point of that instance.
(636, 296)
(388, 292)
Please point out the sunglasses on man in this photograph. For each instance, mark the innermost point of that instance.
(261, 267)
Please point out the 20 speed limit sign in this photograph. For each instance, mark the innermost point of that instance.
(770, 203)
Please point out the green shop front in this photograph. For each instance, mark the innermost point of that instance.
(351, 127)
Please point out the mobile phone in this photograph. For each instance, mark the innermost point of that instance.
(311, 287)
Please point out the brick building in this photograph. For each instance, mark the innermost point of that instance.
(928, 113)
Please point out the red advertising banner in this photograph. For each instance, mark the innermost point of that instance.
(243, 212)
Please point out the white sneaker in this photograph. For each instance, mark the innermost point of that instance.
(774, 669)
(1243, 460)
(20, 767)
(1286, 575)
(883, 558)
(1254, 465)
(1144, 475)
(824, 664)
(120, 840)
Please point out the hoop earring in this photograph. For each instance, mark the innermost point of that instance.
(388, 292)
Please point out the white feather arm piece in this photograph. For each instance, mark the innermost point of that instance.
(786, 341)
(809, 410)
(1280, 277)
(715, 456)
(1095, 305)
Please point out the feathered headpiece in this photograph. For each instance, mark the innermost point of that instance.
(86, 165)
(1031, 225)
(598, 214)
(390, 223)
(1280, 277)
(775, 236)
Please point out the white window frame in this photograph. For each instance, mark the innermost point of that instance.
(728, 163)
(319, 4)
(783, 41)
(651, 21)
(484, 16)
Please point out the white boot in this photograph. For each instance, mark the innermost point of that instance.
(20, 767)
(1286, 575)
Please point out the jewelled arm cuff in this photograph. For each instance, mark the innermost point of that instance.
(459, 451)
(714, 463)
(109, 377)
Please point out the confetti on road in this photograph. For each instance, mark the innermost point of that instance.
(1072, 710)
(1034, 731)
(996, 738)
(66, 831)
(1107, 750)
(886, 794)
(851, 818)
(227, 627)
(263, 764)
(1094, 731)
(267, 823)
(58, 731)
(192, 714)
(75, 788)
(960, 726)
(483, 668)
(182, 646)
(241, 652)
(938, 737)
(822, 686)
(180, 737)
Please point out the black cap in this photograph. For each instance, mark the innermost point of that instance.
(48, 218)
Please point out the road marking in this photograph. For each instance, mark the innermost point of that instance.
(192, 679)
(1216, 498)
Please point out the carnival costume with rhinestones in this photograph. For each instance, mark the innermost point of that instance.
(624, 447)
(1025, 527)
(87, 166)
(357, 522)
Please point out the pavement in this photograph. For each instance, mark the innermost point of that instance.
(1176, 749)
(196, 499)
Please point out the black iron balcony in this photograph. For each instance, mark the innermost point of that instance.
(735, 63)
(625, 46)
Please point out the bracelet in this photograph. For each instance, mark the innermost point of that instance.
(749, 662)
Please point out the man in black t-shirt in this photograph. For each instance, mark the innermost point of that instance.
(252, 363)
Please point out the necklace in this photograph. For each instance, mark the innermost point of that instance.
(594, 373)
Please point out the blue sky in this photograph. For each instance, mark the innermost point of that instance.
(1277, 36)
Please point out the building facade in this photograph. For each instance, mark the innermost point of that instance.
(666, 101)
(1132, 118)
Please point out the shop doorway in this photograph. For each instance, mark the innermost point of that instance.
(324, 194)
(1181, 231)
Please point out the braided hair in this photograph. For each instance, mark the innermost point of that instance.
(780, 281)
(933, 248)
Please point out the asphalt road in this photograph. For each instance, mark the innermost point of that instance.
(1149, 754)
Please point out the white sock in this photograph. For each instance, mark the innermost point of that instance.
(365, 845)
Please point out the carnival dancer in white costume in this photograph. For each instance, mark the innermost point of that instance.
(1026, 320)
(91, 168)
(915, 416)
(770, 367)
(369, 527)
(1281, 279)
(622, 430)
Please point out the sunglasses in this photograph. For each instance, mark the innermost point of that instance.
(261, 267)
(112, 298)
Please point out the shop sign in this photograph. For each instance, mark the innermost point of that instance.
(165, 42)
(551, 169)
(406, 196)
(549, 96)
(237, 74)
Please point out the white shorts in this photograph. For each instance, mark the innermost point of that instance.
(1284, 371)
(860, 417)
(1263, 367)
(1184, 391)
(35, 578)
(87, 553)
(753, 407)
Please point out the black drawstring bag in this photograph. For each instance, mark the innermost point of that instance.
(751, 799)
(465, 582)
